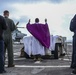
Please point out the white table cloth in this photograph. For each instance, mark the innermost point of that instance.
(33, 46)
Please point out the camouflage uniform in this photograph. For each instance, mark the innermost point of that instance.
(8, 39)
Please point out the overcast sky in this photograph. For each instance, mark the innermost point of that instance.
(58, 13)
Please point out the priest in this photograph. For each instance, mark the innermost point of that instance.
(41, 38)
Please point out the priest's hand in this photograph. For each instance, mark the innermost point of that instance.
(29, 21)
(45, 20)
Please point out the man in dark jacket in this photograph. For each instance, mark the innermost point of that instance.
(8, 37)
(73, 29)
(2, 27)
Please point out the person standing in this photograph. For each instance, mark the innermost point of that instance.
(8, 38)
(2, 27)
(41, 38)
(73, 29)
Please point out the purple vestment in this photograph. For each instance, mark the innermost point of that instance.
(40, 32)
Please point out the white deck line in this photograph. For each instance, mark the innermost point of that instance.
(26, 66)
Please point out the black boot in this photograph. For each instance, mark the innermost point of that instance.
(1, 72)
(74, 71)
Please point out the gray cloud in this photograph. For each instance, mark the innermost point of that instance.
(30, 1)
(24, 19)
(6, 4)
(57, 1)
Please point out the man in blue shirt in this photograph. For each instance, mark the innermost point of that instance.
(73, 29)
(2, 27)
